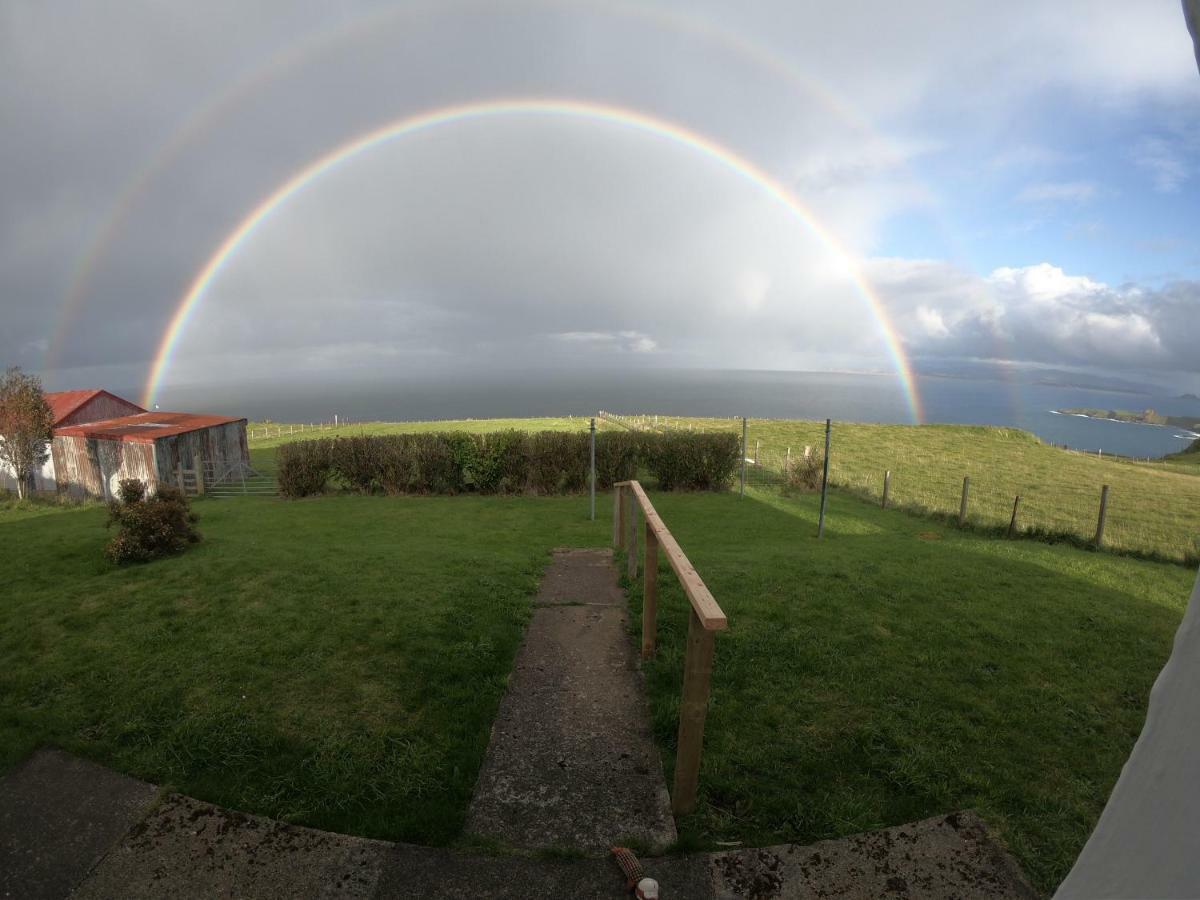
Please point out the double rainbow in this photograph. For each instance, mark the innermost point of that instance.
(579, 109)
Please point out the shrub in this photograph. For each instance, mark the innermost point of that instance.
(617, 457)
(693, 460)
(304, 467)
(804, 473)
(150, 527)
(505, 462)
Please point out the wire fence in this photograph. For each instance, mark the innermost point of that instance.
(1001, 480)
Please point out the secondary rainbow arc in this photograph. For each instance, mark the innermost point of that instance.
(571, 108)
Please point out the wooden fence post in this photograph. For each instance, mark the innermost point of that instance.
(650, 595)
(1103, 515)
(1012, 523)
(179, 477)
(697, 675)
(962, 508)
(887, 483)
(631, 551)
(199, 473)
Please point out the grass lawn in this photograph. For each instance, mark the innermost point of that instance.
(1153, 507)
(900, 669)
(335, 662)
(338, 661)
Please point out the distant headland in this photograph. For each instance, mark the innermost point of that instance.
(1145, 417)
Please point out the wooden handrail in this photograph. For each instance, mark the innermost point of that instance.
(705, 606)
(705, 620)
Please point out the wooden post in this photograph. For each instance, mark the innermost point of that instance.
(199, 472)
(824, 483)
(1012, 523)
(962, 507)
(1103, 515)
(887, 484)
(179, 477)
(650, 595)
(697, 675)
(631, 551)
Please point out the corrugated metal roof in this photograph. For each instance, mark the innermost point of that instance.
(145, 428)
(63, 403)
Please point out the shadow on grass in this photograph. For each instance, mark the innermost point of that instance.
(899, 668)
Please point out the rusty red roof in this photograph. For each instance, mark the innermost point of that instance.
(63, 403)
(144, 428)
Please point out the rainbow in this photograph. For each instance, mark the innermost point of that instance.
(580, 109)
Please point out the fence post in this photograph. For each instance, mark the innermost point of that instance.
(1012, 523)
(1103, 515)
(199, 473)
(962, 507)
(742, 492)
(650, 595)
(697, 674)
(631, 552)
(179, 478)
(887, 484)
(824, 482)
(593, 469)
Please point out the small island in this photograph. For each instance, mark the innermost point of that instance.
(1189, 397)
(1145, 417)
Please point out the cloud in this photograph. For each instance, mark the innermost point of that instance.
(1058, 192)
(629, 341)
(1162, 162)
(1041, 314)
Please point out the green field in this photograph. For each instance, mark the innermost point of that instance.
(338, 661)
(1153, 507)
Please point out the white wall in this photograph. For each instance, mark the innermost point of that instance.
(43, 479)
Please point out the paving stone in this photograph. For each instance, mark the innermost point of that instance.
(185, 849)
(59, 815)
(941, 858)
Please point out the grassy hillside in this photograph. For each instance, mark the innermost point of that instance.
(1153, 507)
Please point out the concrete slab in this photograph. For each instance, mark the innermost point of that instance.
(185, 849)
(571, 763)
(58, 816)
(581, 576)
(445, 875)
(945, 857)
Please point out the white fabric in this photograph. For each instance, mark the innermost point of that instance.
(1147, 842)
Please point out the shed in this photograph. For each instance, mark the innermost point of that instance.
(90, 459)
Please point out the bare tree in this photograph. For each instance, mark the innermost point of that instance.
(25, 426)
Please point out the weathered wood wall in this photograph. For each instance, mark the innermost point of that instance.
(89, 467)
(102, 406)
(222, 445)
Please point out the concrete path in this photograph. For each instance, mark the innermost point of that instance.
(572, 763)
(69, 828)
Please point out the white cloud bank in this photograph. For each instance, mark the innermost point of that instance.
(1040, 314)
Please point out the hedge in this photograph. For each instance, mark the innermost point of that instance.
(504, 462)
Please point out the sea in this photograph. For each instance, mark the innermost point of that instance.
(1019, 402)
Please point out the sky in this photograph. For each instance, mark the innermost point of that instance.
(785, 185)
